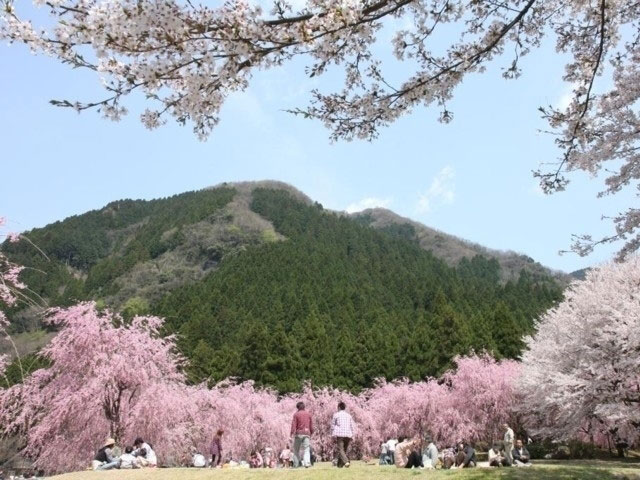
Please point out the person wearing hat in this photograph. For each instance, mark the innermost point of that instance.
(104, 459)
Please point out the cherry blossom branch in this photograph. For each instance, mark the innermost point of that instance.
(551, 182)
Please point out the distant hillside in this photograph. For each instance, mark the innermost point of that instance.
(341, 303)
(580, 274)
(452, 249)
(138, 249)
(262, 283)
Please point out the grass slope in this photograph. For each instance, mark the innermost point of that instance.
(562, 470)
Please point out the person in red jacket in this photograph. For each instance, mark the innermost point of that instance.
(301, 431)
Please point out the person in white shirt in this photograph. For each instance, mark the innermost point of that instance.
(385, 458)
(197, 459)
(144, 452)
(391, 447)
(342, 429)
(508, 443)
(495, 457)
(128, 460)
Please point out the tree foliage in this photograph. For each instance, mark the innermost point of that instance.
(85, 254)
(188, 58)
(339, 303)
(112, 378)
(580, 375)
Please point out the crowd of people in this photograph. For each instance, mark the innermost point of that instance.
(417, 452)
(404, 452)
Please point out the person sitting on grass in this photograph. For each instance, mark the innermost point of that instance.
(285, 457)
(448, 458)
(256, 461)
(406, 455)
(128, 460)
(466, 456)
(269, 457)
(496, 459)
(429, 454)
(105, 458)
(197, 459)
(144, 452)
(520, 454)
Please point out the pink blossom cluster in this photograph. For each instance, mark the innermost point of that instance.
(111, 378)
(10, 284)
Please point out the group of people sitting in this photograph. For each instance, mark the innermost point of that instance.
(420, 452)
(500, 457)
(109, 457)
(265, 458)
(415, 452)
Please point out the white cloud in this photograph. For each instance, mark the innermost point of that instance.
(440, 192)
(369, 202)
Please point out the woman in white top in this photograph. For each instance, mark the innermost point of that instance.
(145, 453)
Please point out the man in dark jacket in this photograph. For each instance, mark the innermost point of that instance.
(521, 457)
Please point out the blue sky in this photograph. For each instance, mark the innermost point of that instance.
(471, 178)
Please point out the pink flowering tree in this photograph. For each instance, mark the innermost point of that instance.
(581, 371)
(107, 379)
(469, 402)
(186, 59)
(111, 378)
(12, 290)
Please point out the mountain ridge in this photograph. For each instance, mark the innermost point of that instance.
(260, 282)
(186, 252)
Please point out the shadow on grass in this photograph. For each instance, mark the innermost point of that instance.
(587, 470)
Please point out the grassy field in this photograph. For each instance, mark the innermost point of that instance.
(562, 470)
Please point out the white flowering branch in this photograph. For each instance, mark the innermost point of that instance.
(186, 59)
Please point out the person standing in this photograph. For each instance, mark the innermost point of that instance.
(216, 449)
(391, 448)
(342, 429)
(301, 431)
(508, 443)
(385, 457)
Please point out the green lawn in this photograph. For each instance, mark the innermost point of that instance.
(562, 470)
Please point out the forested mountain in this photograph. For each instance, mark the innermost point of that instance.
(452, 249)
(261, 283)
